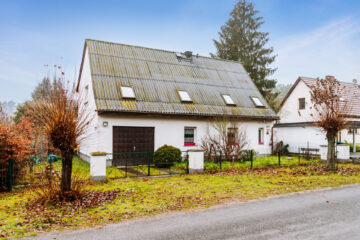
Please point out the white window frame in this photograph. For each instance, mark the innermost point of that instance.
(228, 100)
(184, 96)
(127, 92)
(261, 139)
(194, 140)
(257, 102)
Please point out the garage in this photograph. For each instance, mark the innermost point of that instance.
(132, 145)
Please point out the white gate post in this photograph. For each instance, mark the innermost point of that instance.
(98, 167)
(196, 161)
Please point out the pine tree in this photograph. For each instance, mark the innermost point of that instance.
(241, 40)
(42, 90)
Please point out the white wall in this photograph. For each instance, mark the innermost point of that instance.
(88, 100)
(298, 137)
(290, 113)
(170, 131)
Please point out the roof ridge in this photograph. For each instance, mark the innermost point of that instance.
(158, 49)
(320, 78)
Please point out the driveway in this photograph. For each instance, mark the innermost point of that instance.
(328, 214)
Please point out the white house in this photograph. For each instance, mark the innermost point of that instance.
(145, 98)
(296, 125)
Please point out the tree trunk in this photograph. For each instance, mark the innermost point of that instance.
(66, 171)
(331, 152)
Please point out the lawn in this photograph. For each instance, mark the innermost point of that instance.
(138, 197)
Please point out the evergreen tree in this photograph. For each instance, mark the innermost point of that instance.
(42, 90)
(241, 40)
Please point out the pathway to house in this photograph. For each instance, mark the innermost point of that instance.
(329, 214)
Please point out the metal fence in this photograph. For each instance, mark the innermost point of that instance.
(142, 164)
(6, 176)
(249, 159)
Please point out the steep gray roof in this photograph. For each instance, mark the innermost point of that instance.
(157, 75)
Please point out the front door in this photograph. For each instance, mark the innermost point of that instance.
(132, 145)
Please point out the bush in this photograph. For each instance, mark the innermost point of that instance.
(166, 156)
(351, 146)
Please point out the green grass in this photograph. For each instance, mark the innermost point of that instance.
(151, 196)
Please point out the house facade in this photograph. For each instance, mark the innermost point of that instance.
(296, 125)
(141, 99)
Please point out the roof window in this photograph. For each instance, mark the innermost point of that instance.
(184, 96)
(228, 100)
(257, 102)
(127, 92)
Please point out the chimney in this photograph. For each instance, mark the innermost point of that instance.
(188, 54)
(329, 77)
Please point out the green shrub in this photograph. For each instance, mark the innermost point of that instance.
(351, 146)
(166, 156)
(211, 167)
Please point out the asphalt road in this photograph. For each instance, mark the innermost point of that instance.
(329, 214)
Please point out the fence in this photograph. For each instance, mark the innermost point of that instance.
(141, 164)
(6, 176)
(249, 159)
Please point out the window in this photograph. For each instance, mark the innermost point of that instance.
(261, 136)
(127, 92)
(228, 100)
(257, 102)
(184, 96)
(351, 130)
(301, 103)
(231, 135)
(189, 136)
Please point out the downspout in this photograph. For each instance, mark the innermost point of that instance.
(354, 143)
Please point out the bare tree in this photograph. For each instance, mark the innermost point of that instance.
(330, 112)
(230, 139)
(65, 120)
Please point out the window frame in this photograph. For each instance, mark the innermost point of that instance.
(189, 143)
(235, 132)
(350, 131)
(261, 137)
(125, 96)
(300, 106)
(256, 103)
(225, 96)
(188, 98)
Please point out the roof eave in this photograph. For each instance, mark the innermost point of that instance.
(104, 111)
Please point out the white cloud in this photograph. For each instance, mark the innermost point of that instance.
(332, 49)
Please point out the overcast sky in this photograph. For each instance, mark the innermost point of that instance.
(312, 38)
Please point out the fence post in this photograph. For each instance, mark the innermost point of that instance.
(126, 158)
(148, 161)
(187, 162)
(279, 157)
(299, 156)
(10, 177)
(220, 159)
(251, 158)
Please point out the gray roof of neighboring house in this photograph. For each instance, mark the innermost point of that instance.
(157, 75)
(351, 95)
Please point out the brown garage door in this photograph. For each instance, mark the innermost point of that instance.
(131, 145)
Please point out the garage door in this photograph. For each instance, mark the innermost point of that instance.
(131, 145)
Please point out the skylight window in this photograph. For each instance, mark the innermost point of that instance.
(127, 92)
(257, 102)
(184, 96)
(228, 100)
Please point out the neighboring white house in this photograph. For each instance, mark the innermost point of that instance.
(296, 124)
(145, 98)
